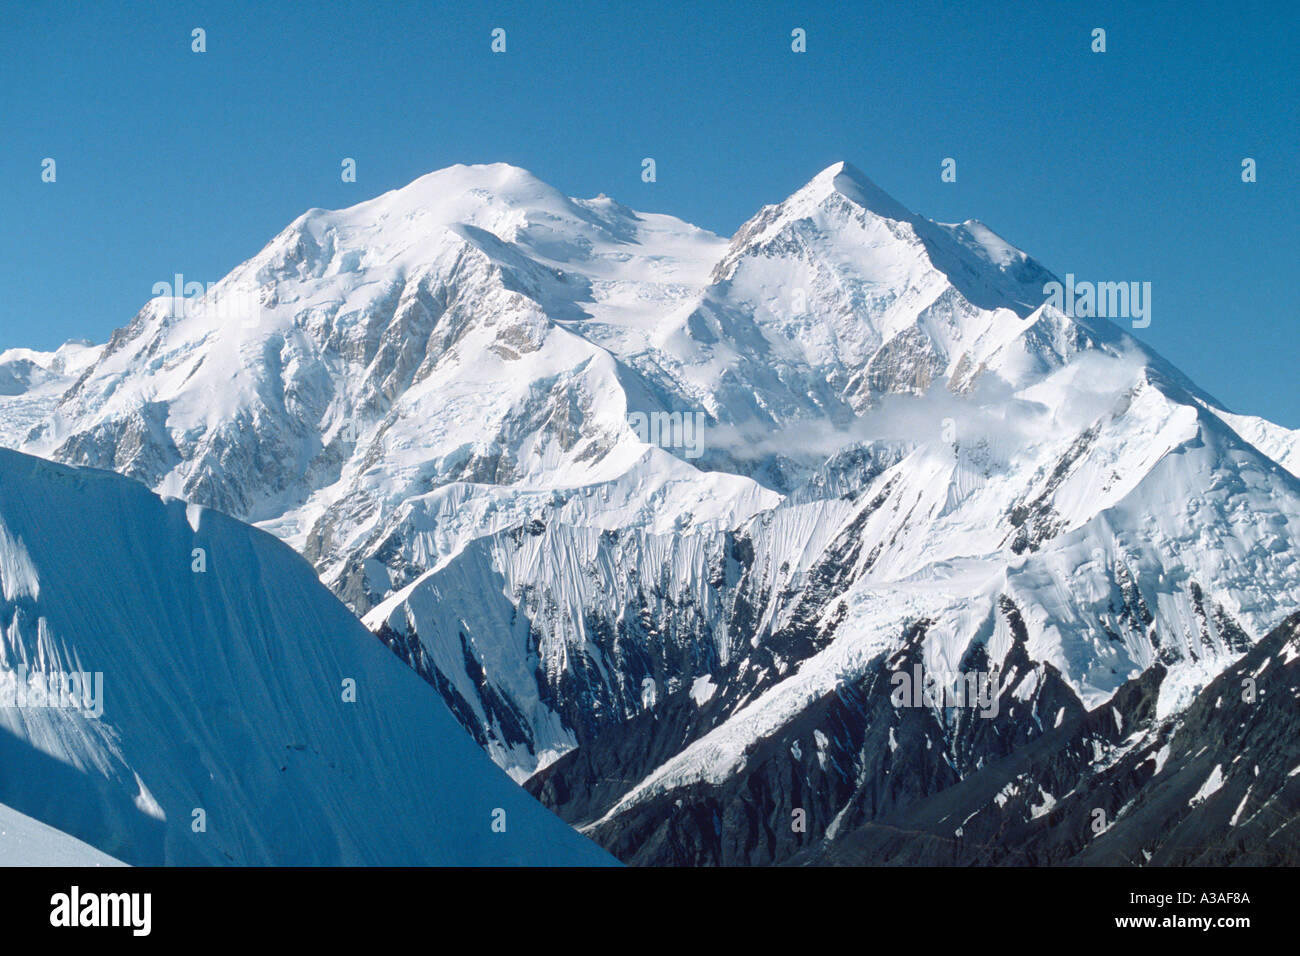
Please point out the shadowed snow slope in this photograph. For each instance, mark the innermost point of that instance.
(223, 691)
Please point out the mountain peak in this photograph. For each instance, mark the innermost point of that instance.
(854, 185)
(476, 194)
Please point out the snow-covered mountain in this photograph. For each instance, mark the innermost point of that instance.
(231, 710)
(640, 501)
(31, 384)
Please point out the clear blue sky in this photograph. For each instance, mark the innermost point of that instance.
(1116, 166)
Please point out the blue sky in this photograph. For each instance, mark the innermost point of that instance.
(1124, 165)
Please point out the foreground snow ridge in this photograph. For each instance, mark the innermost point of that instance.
(227, 734)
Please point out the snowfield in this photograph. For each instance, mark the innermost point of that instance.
(28, 842)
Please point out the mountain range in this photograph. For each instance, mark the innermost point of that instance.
(663, 516)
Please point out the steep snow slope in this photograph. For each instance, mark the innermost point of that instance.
(224, 691)
(28, 842)
(1280, 444)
